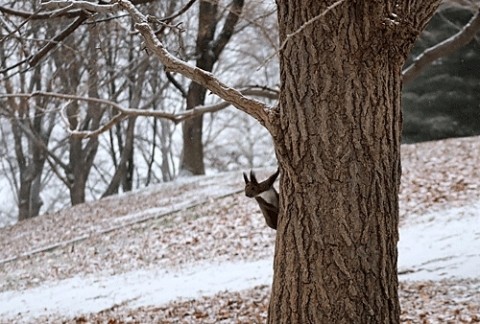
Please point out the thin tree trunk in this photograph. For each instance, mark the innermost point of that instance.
(122, 173)
(82, 156)
(192, 155)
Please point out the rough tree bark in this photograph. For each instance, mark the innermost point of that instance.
(338, 144)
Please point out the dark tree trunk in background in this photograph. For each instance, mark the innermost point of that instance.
(124, 172)
(82, 155)
(31, 135)
(338, 144)
(208, 50)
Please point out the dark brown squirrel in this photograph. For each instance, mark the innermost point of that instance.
(265, 195)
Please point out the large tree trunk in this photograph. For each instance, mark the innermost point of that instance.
(338, 145)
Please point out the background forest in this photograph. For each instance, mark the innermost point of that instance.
(64, 149)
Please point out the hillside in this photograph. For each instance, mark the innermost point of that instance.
(129, 258)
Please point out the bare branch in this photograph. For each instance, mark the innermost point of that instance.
(34, 137)
(36, 15)
(255, 108)
(252, 107)
(123, 113)
(85, 5)
(180, 12)
(447, 47)
(176, 84)
(62, 12)
(228, 27)
(60, 37)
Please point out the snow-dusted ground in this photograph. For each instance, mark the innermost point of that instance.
(197, 238)
(441, 245)
(136, 288)
(437, 246)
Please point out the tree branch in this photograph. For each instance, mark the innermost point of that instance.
(57, 39)
(228, 27)
(62, 12)
(37, 15)
(447, 47)
(85, 5)
(176, 84)
(180, 12)
(123, 113)
(255, 108)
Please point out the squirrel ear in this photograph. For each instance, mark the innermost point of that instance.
(273, 177)
(245, 178)
(252, 177)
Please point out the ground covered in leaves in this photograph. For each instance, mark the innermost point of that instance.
(179, 224)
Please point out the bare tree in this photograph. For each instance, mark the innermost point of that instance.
(209, 46)
(30, 125)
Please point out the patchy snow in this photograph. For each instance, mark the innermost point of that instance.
(436, 246)
(441, 245)
(197, 250)
(135, 289)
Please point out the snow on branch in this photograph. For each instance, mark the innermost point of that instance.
(448, 46)
(84, 5)
(255, 108)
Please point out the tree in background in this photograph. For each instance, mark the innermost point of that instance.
(72, 60)
(209, 45)
(30, 128)
(442, 102)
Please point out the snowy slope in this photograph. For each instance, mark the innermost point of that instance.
(175, 241)
(445, 245)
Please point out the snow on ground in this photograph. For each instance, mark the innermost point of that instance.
(199, 240)
(446, 244)
(136, 288)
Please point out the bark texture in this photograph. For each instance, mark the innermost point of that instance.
(338, 144)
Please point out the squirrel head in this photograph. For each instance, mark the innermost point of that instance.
(253, 188)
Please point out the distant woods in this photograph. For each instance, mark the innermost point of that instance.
(77, 83)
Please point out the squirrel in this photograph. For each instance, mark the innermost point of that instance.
(265, 195)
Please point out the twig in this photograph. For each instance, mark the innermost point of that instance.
(57, 39)
(301, 28)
